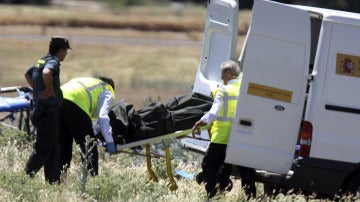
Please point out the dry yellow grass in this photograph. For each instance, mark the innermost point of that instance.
(125, 18)
(143, 64)
(150, 67)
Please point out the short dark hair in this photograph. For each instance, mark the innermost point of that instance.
(57, 43)
(108, 80)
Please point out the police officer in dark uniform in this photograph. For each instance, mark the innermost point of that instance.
(44, 78)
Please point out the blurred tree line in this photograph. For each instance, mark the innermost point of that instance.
(37, 2)
(345, 5)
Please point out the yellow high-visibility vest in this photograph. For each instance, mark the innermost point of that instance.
(84, 92)
(221, 127)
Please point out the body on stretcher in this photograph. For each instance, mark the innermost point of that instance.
(156, 122)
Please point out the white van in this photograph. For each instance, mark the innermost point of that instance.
(300, 89)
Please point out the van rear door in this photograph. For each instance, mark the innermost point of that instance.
(219, 45)
(270, 106)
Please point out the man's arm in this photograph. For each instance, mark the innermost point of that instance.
(28, 76)
(210, 116)
(105, 101)
(47, 75)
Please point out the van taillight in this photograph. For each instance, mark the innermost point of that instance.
(305, 141)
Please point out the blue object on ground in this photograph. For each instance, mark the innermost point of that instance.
(185, 174)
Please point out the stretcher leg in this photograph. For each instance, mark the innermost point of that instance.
(148, 164)
(166, 140)
(173, 186)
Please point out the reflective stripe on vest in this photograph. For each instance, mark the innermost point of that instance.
(39, 63)
(88, 92)
(220, 129)
(226, 116)
(84, 92)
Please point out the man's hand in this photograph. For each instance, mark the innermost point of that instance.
(47, 93)
(196, 127)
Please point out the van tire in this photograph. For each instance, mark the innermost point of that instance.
(270, 190)
(353, 187)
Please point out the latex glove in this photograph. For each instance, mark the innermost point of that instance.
(110, 148)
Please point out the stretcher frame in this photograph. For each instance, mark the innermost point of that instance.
(165, 139)
(19, 104)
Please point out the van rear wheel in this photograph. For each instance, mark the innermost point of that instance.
(353, 186)
(270, 190)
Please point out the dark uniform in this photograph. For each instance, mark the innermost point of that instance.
(46, 120)
(45, 113)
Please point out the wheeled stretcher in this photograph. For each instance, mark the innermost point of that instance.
(17, 105)
(155, 123)
(14, 104)
(165, 139)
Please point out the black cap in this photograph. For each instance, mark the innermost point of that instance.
(60, 41)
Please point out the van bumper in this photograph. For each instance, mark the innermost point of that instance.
(311, 175)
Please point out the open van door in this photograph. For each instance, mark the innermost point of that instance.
(275, 66)
(219, 45)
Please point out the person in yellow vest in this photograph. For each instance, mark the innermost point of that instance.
(215, 170)
(87, 100)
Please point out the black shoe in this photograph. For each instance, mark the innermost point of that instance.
(200, 178)
(226, 188)
(212, 193)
